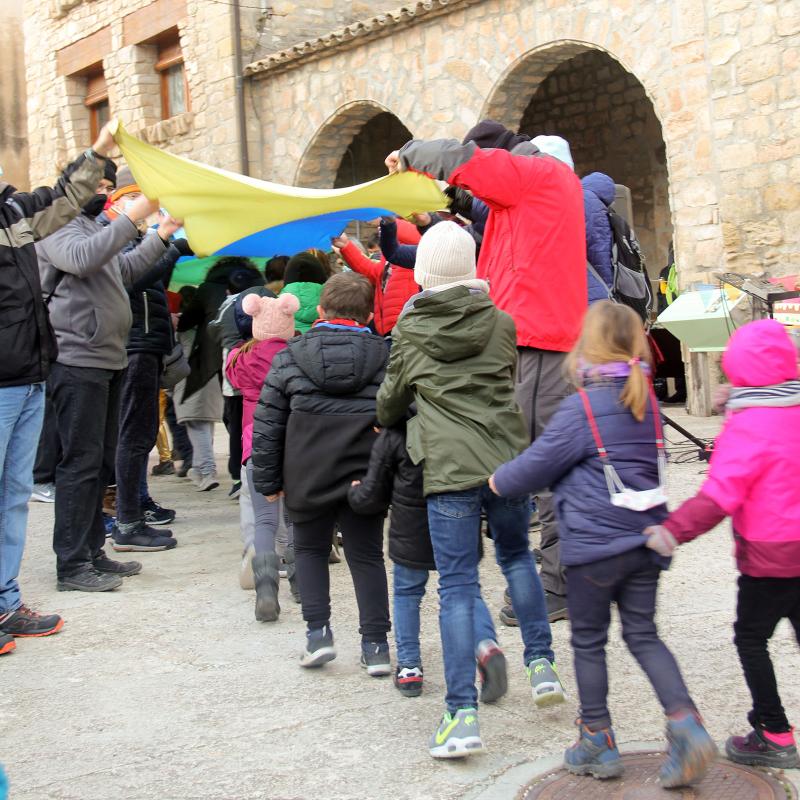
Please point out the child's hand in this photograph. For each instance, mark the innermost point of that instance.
(355, 483)
(720, 397)
(492, 485)
(271, 498)
(340, 241)
(660, 540)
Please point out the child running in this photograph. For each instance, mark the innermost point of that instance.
(602, 454)
(454, 353)
(753, 478)
(394, 479)
(312, 435)
(247, 370)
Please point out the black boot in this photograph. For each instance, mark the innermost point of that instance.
(291, 574)
(265, 574)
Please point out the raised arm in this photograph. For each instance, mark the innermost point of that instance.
(401, 255)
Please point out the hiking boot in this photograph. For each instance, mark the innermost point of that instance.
(154, 514)
(545, 684)
(163, 468)
(102, 563)
(690, 752)
(183, 469)
(24, 622)
(492, 669)
(508, 617)
(458, 735)
(408, 681)
(235, 491)
(7, 644)
(556, 607)
(141, 538)
(110, 501)
(758, 749)
(43, 493)
(375, 658)
(291, 574)
(319, 647)
(89, 580)
(246, 580)
(207, 482)
(595, 753)
(265, 576)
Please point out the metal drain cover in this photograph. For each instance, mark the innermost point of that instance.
(724, 781)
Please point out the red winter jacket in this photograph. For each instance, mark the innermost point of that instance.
(389, 299)
(534, 247)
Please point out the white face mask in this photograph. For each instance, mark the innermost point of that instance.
(642, 500)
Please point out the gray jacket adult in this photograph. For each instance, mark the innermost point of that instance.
(90, 310)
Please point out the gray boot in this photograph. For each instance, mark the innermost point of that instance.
(291, 573)
(265, 574)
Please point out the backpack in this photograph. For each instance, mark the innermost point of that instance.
(631, 284)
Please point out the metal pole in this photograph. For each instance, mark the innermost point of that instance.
(244, 158)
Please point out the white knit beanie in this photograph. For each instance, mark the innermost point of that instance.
(445, 254)
(555, 146)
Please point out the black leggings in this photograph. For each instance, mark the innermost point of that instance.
(763, 603)
(363, 549)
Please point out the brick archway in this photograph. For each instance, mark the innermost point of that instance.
(340, 136)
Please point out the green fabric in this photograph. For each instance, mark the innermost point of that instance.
(455, 354)
(672, 284)
(193, 271)
(308, 294)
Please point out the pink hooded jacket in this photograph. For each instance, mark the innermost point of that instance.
(755, 468)
(248, 375)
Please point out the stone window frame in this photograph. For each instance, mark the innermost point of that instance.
(96, 99)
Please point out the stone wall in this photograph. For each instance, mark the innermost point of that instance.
(13, 119)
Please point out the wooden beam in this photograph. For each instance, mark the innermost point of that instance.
(147, 24)
(78, 57)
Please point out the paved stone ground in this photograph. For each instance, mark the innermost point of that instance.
(169, 688)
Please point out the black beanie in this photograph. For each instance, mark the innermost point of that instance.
(304, 268)
(110, 171)
(488, 133)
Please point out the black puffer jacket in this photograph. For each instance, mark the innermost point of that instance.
(313, 427)
(393, 478)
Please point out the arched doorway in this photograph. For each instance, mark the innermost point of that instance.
(585, 95)
(351, 146)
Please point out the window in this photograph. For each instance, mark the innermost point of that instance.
(170, 66)
(97, 101)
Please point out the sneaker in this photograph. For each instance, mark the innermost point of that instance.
(154, 514)
(163, 468)
(102, 563)
(408, 681)
(44, 493)
(375, 658)
(194, 475)
(556, 607)
(142, 539)
(235, 491)
(595, 753)
(246, 579)
(458, 735)
(545, 684)
(89, 580)
(508, 617)
(183, 469)
(24, 622)
(690, 752)
(492, 669)
(207, 482)
(758, 749)
(7, 644)
(319, 648)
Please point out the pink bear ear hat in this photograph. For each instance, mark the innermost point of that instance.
(273, 317)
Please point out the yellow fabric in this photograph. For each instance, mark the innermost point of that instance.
(220, 207)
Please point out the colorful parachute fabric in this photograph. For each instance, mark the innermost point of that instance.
(229, 214)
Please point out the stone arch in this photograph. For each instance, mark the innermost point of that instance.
(587, 95)
(350, 146)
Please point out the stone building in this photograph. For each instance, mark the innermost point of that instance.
(13, 119)
(694, 104)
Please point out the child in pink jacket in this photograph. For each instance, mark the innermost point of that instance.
(754, 478)
(247, 369)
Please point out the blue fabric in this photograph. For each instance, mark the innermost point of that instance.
(565, 458)
(598, 195)
(21, 415)
(409, 589)
(302, 234)
(454, 519)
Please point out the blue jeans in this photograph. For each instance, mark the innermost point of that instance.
(21, 413)
(454, 519)
(409, 589)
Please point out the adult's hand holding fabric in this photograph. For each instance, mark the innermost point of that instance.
(393, 162)
(167, 227)
(141, 208)
(660, 540)
(105, 139)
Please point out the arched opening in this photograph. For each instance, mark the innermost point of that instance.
(603, 111)
(351, 146)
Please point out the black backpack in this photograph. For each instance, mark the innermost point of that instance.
(631, 284)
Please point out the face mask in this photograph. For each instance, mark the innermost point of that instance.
(95, 206)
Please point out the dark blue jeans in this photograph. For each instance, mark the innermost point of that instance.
(631, 580)
(454, 519)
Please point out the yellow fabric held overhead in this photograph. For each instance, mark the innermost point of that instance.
(221, 209)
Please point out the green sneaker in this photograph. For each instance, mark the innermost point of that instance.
(458, 735)
(545, 684)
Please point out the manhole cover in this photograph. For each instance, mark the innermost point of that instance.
(725, 781)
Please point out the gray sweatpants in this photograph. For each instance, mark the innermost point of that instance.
(541, 386)
(268, 517)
